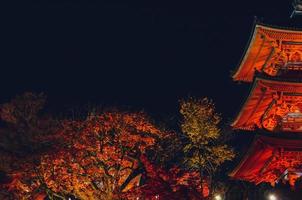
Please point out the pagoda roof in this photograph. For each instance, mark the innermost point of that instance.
(265, 43)
(264, 93)
(268, 158)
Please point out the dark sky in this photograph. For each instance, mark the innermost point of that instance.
(142, 54)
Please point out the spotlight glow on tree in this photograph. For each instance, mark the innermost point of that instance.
(200, 123)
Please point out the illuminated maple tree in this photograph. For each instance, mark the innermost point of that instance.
(99, 158)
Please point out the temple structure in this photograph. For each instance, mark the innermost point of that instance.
(272, 63)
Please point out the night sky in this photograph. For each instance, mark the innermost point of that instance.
(139, 54)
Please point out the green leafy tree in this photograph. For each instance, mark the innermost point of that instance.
(204, 150)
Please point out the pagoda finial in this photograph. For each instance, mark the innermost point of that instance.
(297, 4)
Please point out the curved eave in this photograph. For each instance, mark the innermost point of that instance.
(244, 159)
(246, 52)
(233, 125)
(242, 121)
(271, 142)
(259, 48)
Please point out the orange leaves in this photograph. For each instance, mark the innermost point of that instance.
(99, 154)
(95, 158)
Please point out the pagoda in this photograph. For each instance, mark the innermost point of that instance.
(272, 64)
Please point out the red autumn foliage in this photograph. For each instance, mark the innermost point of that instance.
(172, 184)
(99, 158)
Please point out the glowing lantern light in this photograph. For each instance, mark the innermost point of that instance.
(217, 197)
(272, 197)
